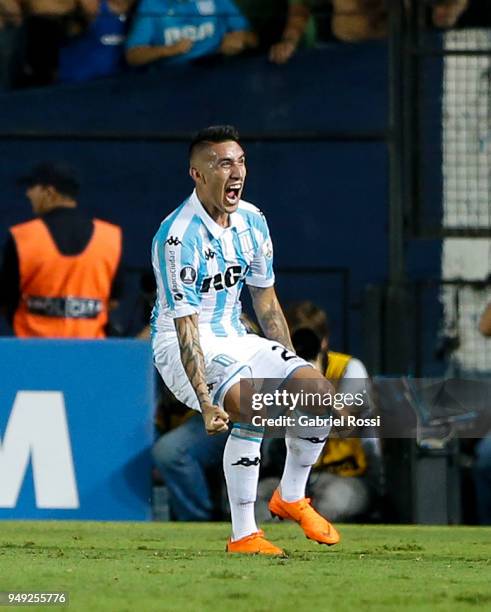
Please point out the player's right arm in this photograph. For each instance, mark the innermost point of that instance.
(193, 362)
(176, 262)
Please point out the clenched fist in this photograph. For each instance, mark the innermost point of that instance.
(216, 419)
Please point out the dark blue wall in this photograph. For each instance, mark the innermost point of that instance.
(326, 202)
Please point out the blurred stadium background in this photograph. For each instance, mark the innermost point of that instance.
(371, 160)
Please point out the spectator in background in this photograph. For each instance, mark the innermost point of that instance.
(313, 21)
(48, 24)
(184, 456)
(359, 20)
(61, 270)
(177, 32)
(446, 13)
(482, 465)
(98, 51)
(347, 478)
(301, 28)
(10, 21)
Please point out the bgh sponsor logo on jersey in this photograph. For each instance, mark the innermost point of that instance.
(195, 33)
(222, 281)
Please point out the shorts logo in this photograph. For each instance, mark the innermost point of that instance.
(315, 440)
(246, 462)
(173, 241)
(188, 275)
(224, 360)
(178, 297)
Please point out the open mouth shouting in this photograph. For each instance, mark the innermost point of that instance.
(232, 193)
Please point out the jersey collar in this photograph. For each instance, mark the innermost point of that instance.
(215, 230)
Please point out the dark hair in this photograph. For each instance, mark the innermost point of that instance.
(53, 174)
(213, 133)
(307, 315)
(309, 326)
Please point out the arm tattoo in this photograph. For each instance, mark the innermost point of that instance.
(192, 356)
(270, 315)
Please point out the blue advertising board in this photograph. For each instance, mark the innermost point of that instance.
(76, 427)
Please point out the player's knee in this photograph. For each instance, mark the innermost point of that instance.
(312, 389)
(238, 401)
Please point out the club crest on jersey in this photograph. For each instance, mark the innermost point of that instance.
(188, 275)
(245, 241)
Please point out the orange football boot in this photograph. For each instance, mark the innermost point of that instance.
(315, 526)
(254, 544)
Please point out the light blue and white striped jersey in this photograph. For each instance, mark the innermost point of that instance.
(200, 267)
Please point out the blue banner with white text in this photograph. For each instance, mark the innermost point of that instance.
(75, 429)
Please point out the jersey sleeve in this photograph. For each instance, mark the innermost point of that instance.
(236, 22)
(178, 272)
(142, 31)
(261, 272)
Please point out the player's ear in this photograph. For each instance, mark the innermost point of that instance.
(50, 192)
(194, 173)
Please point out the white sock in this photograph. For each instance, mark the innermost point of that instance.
(241, 459)
(301, 454)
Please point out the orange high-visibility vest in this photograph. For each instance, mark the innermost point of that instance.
(64, 296)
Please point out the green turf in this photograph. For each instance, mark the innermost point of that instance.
(179, 566)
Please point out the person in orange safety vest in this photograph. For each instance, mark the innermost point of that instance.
(61, 271)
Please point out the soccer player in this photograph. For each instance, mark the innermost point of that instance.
(202, 255)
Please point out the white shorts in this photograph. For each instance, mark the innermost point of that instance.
(227, 360)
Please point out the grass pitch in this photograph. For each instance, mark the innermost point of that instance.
(179, 566)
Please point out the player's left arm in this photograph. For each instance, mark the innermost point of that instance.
(260, 280)
(270, 315)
